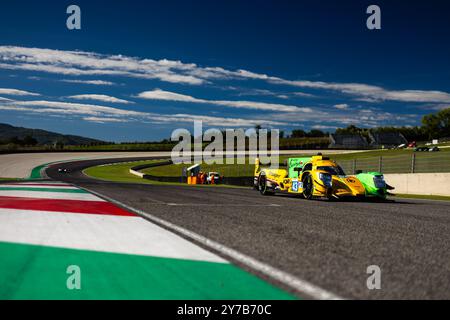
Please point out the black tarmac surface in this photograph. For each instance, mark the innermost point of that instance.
(329, 244)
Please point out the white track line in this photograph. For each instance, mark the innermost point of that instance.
(301, 286)
(173, 204)
(49, 186)
(49, 195)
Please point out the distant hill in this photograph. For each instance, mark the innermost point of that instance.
(43, 137)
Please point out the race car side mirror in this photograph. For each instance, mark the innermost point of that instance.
(389, 187)
(358, 171)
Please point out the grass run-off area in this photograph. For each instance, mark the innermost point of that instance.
(422, 197)
(119, 172)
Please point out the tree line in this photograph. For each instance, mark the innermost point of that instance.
(27, 141)
(433, 126)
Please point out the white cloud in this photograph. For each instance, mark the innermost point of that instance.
(303, 94)
(216, 121)
(93, 82)
(79, 63)
(99, 97)
(416, 96)
(158, 94)
(103, 119)
(101, 114)
(327, 118)
(74, 108)
(369, 92)
(437, 107)
(15, 92)
(342, 106)
(323, 127)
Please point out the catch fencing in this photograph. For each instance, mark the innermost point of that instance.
(417, 162)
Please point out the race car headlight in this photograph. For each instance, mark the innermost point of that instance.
(326, 179)
(379, 182)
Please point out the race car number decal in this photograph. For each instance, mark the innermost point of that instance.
(296, 185)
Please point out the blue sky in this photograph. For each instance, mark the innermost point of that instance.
(139, 69)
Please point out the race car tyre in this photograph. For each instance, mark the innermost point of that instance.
(307, 187)
(256, 184)
(330, 194)
(262, 185)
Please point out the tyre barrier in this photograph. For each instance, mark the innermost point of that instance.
(238, 181)
(166, 179)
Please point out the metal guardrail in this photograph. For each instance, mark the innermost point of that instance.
(417, 162)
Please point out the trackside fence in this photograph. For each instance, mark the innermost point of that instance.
(417, 162)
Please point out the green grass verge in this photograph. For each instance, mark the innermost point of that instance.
(424, 197)
(229, 170)
(118, 172)
(121, 173)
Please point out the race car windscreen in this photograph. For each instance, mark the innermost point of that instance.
(335, 171)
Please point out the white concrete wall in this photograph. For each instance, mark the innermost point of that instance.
(19, 165)
(437, 184)
(137, 173)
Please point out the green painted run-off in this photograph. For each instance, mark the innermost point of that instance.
(62, 190)
(36, 172)
(37, 272)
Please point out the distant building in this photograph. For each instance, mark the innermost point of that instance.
(348, 141)
(387, 139)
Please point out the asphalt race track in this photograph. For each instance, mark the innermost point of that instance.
(328, 244)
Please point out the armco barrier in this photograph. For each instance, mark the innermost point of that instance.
(238, 181)
(165, 179)
(135, 171)
(436, 184)
(150, 165)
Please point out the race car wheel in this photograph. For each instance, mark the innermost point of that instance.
(330, 196)
(262, 185)
(307, 187)
(256, 184)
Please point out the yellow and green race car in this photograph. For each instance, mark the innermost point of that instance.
(311, 177)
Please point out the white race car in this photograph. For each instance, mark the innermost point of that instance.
(211, 176)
